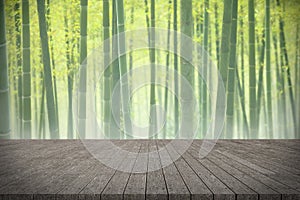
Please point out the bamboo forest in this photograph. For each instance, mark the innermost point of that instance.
(163, 69)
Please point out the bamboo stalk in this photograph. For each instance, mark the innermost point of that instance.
(167, 66)
(252, 71)
(147, 18)
(69, 76)
(47, 70)
(199, 33)
(242, 101)
(123, 67)
(48, 19)
(83, 70)
(115, 132)
(108, 71)
(217, 34)
(268, 69)
(19, 68)
(42, 114)
(281, 108)
(231, 72)
(242, 49)
(5, 128)
(284, 53)
(153, 117)
(297, 76)
(205, 65)
(225, 40)
(26, 79)
(260, 86)
(187, 71)
(176, 89)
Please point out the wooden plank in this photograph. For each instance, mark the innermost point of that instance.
(264, 191)
(60, 179)
(45, 197)
(34, 175)
(105, 149)
(82, 179)
(241, 190)
(54, 179)
(24, 155)
(156, 185)
(99, 182)
(141, 163)
(292, 144)
(175, 184)
(218, 188)
(271, 147)
(195, 185)
(16, 197)
(103, 176)
(288, 160)
(154, 159)
(275, 185)
(10, 145)
(290, 196)
(230, 146)
(276, 145)
(8, 142)
(117, 156)
(282, 176)
(66, 170)
(116, 186)
(136, 185)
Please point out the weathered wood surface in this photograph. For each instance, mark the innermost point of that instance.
(234, 169)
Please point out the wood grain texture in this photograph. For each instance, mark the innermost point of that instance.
(65, 169)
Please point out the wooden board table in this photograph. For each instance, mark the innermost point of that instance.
(234, 169)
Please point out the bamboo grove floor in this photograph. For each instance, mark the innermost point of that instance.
(235, 169)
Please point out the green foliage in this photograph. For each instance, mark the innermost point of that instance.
(62, 36)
